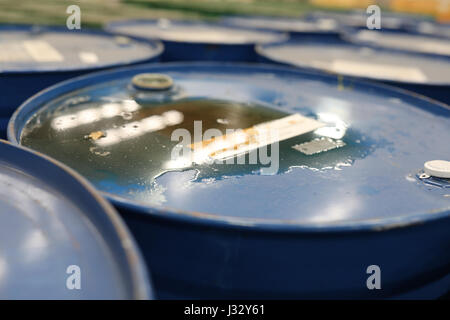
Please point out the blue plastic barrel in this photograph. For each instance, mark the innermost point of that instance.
(197, 41)
(434, 29)
(295, 27)
(341, 200)
(414, 42)
(35, 57)
(419, 73)
(59, 239)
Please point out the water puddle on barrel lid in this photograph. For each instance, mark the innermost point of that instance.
(133, 150)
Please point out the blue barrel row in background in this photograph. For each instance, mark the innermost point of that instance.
(418, 73)
(408, 52)
(334, 32)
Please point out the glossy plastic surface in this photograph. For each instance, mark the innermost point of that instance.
(58, 238)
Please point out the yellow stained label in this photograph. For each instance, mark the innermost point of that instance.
(260, 135)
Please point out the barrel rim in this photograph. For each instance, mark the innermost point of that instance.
(154, 45)
(260, 51)
(137, 271)
(114, 25)
(35, 102)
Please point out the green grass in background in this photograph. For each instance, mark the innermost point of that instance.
(94, 13)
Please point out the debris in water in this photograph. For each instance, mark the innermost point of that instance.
(318, 145)
(95, 135)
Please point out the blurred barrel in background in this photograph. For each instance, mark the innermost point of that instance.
(295, 27)
(197, 41)
(345, 194)
(357, 19)
(423, 74)
(433, 29)
(57, 232)
(35, 57)
(411, 42)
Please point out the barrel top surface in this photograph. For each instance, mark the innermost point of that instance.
(193, 32)
(281, 24)
(414, 42)
(361, 61)
(26, 48)
(358, 19)
(433, 29)
(361, 169)
(52, 223)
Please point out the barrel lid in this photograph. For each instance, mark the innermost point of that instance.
(433, 29)
(358, 19)
(360, 168)
(411, 42)
(193, 32)
(26, 48)
(55, 229)
(361, 61)
(282, 24)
